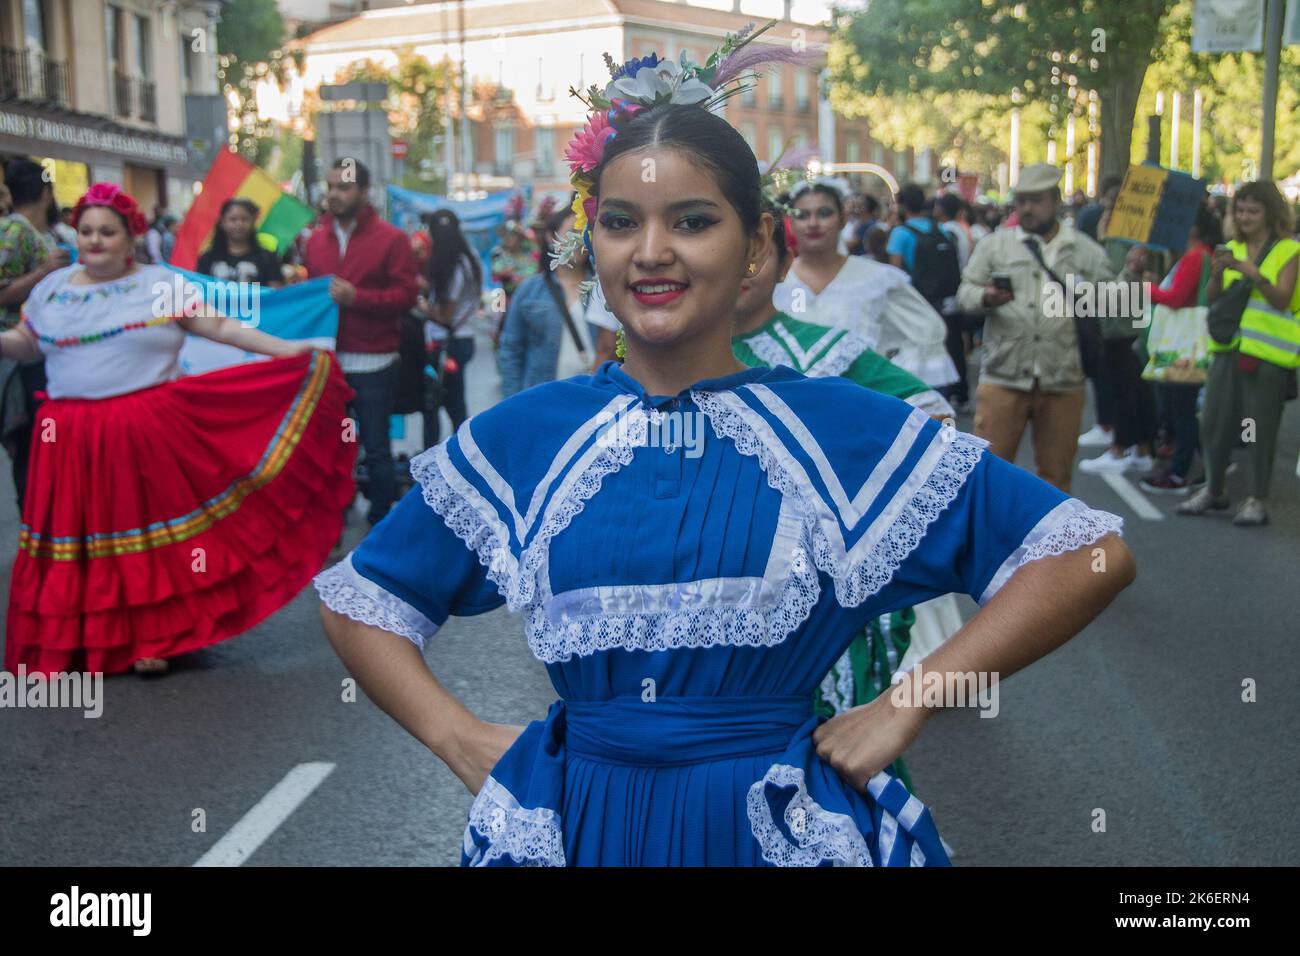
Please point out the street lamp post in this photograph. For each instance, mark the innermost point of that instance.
(1272, 56)
(1197, 102)
(1173, 130)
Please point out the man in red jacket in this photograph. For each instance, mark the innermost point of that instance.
(374, 285)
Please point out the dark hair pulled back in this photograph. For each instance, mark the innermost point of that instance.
(710, 142)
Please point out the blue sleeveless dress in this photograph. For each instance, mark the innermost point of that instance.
(688, 569)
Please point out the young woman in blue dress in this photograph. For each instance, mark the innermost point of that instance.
(686, 605)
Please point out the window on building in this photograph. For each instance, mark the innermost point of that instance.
(801, 139)
(877, 154)
(852, 154)
(504, 135)
(921, 167)
(750, 132)
(775, 143)
(774, 88)
(36, 41)
(119, 85)
(544, 150)
(545, 83)
(143, 66)
(801, 98)
(113, 33)
(187, 66)
(748, 97)
(900, 164)
(35, 35)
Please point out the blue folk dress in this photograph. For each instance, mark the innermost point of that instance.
(687, 597)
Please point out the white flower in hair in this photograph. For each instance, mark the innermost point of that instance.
(565, 249)
(667, 81)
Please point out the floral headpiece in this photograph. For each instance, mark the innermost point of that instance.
(643, 83)
(116, 198)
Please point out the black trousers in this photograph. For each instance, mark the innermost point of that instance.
(955, 343)
(452, 393)
(32, 376)
(1133, 401)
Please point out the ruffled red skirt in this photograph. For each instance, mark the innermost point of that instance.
(167, 519)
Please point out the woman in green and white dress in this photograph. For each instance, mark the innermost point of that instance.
(765, 336)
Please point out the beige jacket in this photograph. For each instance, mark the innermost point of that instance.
(1021, 343)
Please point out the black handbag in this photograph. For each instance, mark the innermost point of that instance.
(1225, 312)
(409, 395)
(1087, 328)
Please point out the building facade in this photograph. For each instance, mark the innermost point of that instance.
(113, 90)
(521, 57)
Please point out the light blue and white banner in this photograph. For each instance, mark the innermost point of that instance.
(302, 311)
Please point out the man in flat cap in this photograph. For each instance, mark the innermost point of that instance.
(1031, 367)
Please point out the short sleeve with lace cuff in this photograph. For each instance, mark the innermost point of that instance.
(1002, 519)
(409, 575)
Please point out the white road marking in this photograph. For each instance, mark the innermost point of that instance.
(257, 824)
(1134, 498)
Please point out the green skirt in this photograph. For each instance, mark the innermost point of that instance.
(864, 671)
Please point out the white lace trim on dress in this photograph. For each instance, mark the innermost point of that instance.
(734, 615)
(863, 570)
(838, 357)
(345, 591)
(821, 836)
(770, 351)
(528, 837)
(754, 612)
(475, 521)
(1067, 527)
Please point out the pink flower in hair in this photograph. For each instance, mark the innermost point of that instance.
(588, 145)
(116, 198)
(101, 194)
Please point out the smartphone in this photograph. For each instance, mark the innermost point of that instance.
(1002, 281)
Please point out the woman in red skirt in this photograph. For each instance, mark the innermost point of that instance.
(163, 513)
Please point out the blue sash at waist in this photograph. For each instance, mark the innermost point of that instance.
(682, 730)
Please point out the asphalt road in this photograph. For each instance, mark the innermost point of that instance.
(1140, 717)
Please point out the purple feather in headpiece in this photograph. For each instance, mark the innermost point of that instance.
(752, 54)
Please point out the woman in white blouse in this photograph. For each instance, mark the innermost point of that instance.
(875, 300)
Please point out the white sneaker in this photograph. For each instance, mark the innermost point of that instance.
(1139, 462)
(1096, 437)
(1106, 463)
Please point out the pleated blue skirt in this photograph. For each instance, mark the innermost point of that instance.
(688, 781)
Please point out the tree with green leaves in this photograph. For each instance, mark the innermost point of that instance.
(1049, 52)
(1231, 84)
(248, 47)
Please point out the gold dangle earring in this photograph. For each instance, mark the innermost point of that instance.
(620, 344)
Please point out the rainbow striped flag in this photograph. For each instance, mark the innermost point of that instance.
(282, 218)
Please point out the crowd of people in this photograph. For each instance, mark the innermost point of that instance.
(770, 589)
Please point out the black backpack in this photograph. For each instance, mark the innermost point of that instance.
(935, 272)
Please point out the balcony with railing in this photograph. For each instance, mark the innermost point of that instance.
(147, 100)
(122, 89)
(31, 75)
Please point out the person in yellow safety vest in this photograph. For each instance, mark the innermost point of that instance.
(1247, 382)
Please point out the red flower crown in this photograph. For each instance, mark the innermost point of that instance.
(116, 198)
